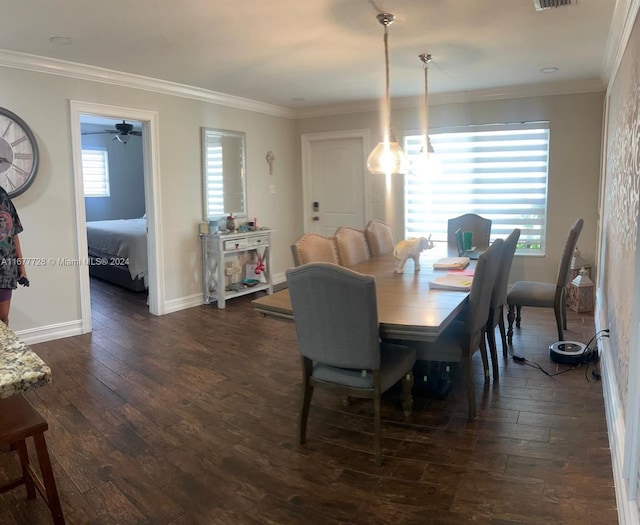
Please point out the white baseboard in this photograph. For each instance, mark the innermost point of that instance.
(175, 305)
(41, 334)
(627, 508)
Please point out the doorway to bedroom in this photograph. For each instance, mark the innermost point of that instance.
(115, 213)
(117, 202)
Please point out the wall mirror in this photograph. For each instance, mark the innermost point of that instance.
(223, 173)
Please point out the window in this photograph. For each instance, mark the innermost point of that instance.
(214, 194)
(95, 172)
(497, 171)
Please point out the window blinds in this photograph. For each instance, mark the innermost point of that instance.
(497, 171)
(95, 172)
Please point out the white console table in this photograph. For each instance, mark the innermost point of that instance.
(228, 262)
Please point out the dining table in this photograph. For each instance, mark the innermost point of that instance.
(408, 309)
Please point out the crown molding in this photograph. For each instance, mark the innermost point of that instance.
(624, 16)
(511, 92)
(64, 68)
(53, 66)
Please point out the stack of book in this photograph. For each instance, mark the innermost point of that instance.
(452, 281)
(451, 263)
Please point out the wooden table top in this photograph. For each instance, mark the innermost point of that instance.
(407, 308)
(20, 367)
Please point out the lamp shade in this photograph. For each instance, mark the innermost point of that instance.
(387, 158)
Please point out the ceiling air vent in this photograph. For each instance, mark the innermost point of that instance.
(541, 5)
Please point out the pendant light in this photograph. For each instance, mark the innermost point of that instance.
(427, 162)
(387, 157)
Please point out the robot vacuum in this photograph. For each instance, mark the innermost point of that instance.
(567, 352)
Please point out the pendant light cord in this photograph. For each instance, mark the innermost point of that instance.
(426, 101)
(386, 72)
(426, 59)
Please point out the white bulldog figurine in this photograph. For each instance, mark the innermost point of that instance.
(411, 248)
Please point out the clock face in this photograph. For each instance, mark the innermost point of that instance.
(18, 154)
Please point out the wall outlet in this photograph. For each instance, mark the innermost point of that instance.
(272, 188)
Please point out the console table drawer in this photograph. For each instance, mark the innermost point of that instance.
(236, 244)
(258, 241)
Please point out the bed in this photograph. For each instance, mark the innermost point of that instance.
(118, 252)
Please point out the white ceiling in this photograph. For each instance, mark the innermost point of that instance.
(306, 53)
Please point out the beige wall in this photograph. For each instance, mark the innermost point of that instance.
(47, 209)
(574, 162)
(48, 212)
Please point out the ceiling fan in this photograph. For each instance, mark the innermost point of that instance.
(123, 131)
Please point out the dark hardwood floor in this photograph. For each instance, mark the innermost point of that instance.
(190, 418)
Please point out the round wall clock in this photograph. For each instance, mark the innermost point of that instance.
(18, 154)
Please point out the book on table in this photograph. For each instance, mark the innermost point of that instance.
(452, 281)
(452, 263)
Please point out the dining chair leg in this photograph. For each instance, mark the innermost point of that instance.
(518, 315)
(407, 398)
(485, 359)
(494, 354)
(305, 403)
(563, 306)
(510, 318)
(560, 320)
(503, 333)
(493, 349)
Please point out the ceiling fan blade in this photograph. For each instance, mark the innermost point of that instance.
(95, 132)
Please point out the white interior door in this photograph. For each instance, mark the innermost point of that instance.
(336, 190)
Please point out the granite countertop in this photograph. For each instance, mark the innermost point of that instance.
(20, 367)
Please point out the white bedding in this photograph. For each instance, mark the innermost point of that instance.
(121, 238)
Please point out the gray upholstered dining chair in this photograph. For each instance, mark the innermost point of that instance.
(545, 295)
(352, 246)
(465, 334)
(470, 222)
(336, 319)
(311, 247)
(499, 299)
(379, 237)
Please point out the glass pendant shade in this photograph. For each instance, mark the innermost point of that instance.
(426, 163)
(387, 158)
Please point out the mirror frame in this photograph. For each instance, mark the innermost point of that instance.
(216, 132)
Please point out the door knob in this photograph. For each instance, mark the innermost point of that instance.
(315, 218)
